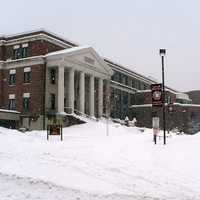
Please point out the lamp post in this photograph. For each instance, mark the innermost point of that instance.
(162, 54)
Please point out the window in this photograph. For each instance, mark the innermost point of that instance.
(20, 51)
(27, 75)
(12, 102)
(139, 85)
(12, 77)
(136, 84)
(26, 102)
(24, 50)
(133, 83)
(53, 76)
(52, 101)
(124, 79)
(142, 86)
(16, 52)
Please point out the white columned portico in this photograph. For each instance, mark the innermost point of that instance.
(82, 92)
(100, 97)
(60, 88)
(91, 96)
(71, 90)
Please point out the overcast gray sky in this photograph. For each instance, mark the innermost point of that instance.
(130, 32)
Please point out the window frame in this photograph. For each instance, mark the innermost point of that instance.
(26, 104)
(12, 79)
(12, 104)
(52, 101)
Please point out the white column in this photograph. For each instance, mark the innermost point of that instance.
(82, 93)
(108, 103)
(60, 88)
(91, 96)
(100, 97)
(71, 90)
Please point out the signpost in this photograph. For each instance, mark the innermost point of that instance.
(155, 122)
(156, 93)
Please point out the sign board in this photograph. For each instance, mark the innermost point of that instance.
(156, 93)
(54, 129)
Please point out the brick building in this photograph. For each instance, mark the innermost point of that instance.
(181, 112)
(43, 75)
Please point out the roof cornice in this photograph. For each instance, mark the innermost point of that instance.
(37, 35)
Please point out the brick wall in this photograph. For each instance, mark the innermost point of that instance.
(1, 88)
(185, 118)
(35, 48)
(35, 88)
(2, 52)
(195, 96)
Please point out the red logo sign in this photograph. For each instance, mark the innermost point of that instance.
(156, 92)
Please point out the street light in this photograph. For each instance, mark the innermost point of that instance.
(162, 54)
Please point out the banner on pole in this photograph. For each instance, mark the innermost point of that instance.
(156, 93)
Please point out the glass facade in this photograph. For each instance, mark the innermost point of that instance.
(122, 99)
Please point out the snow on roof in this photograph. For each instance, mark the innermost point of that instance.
(141, 106)
(58, 37)
(41, 30)
(70, 50)
(187, 105)
(149, 78)
(9, 111)
(178, 104)
(183, 96)
(114, 63)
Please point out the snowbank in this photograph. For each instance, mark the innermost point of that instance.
(88, 164)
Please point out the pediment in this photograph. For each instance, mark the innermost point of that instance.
(83, 56)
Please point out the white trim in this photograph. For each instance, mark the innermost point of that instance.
(9, 111)
(27, 69)
(26, 95)
(174, 104)
(11, 96)
(16, 46)
(141, 106)
(12, 71)
(120, 68)
(66, 55)
(40, 36)
(123, 87)
(186, 105)
(25, 45)
(23, 62)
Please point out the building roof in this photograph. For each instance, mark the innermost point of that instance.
(65, 51)
(73, 44)
(37, 32)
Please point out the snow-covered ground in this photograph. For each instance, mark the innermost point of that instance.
(89, 165)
